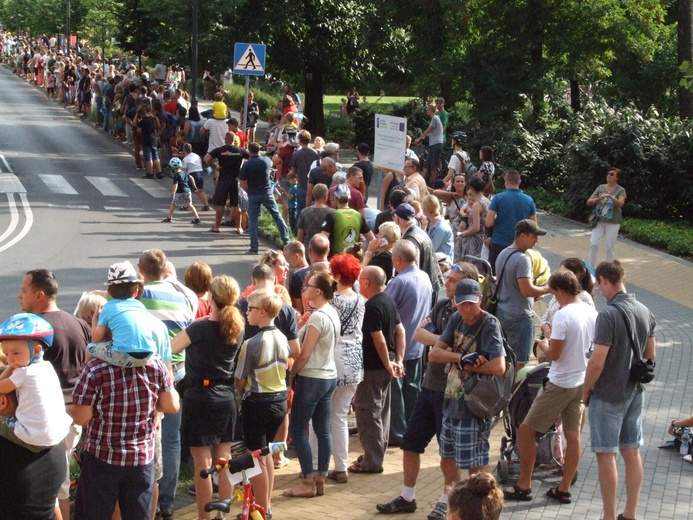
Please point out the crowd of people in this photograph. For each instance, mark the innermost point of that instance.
(366, 311)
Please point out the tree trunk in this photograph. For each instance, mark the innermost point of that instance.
(313, 104)
(575, 95)
(685, 53)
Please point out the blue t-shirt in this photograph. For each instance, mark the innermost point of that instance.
(511, 206)
(134, 329)
(256, 171)
(182, 180)
(294, 201)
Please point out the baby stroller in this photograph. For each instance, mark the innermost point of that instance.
(523, 396)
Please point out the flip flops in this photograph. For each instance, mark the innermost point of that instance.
(517, 493)
(562, 496)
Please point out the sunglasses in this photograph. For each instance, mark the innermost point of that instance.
(250, 308)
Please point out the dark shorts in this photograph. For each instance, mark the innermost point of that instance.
(227, 188)
(261, 421)
(425, 421)
(207, 424)
(199, 179)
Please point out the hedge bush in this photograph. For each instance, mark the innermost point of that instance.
(340, 129)
(675, 237)
(235, 99)
(571, 158)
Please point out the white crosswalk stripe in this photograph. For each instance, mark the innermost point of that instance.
(151, 187)
(107, 187)
(57, 184)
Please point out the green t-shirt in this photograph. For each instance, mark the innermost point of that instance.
(444, 119)
(344, 226)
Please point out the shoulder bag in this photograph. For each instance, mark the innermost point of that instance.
(492, 306)
(641, 370)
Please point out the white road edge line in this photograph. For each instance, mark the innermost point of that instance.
(27, 225)
(14, 219)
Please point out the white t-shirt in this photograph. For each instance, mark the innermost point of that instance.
(41, 416)
(455, 163)
(574, 323)
(216, 128)
(192, 163)
(321, 363)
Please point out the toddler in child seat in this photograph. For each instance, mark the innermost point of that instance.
(39, 420)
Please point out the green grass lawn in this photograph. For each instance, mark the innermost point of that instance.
(332, 104)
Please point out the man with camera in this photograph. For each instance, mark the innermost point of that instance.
(614, 391)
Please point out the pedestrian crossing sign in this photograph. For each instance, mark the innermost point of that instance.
(249, 59)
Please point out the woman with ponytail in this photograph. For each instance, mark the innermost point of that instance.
(314, 379)
(209, 405)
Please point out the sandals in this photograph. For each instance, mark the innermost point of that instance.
(562, 496)
(166, 220)
(358, 468)
(621, 517)
(195, 221)
(517, 493)
(291, 493)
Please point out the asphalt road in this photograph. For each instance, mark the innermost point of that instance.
(72, 201)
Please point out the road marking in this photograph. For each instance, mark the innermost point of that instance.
(27, 224)
(106, 187)
(154, 189)
(14, 219)
(57, 184)
(68, 206)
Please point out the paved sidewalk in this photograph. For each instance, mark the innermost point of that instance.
(663, 283)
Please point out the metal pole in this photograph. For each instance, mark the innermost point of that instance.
(193, 100)
(67, 36)
(245, 103)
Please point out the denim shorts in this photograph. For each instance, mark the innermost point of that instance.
(466, 441)
(519, 330)
(150, 153)
(433, 157)
(615, 426)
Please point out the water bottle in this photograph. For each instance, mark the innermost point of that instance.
(209, 170)
(685, 439)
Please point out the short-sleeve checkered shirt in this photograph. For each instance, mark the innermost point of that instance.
(121, 431)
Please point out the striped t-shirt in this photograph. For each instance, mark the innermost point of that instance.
(263, 362)
(167, 303)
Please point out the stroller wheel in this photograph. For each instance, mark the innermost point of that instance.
(504, 443)
(502, 470)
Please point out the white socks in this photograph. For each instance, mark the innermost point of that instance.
(408, 493)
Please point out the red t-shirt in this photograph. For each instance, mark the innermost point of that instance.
(171, 107)
(355, 202)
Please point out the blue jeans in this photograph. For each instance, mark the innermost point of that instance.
(312, 400)
(615, 426)
(255, 203)
(170, 451)
(404, 392)
(107, 113)
(519, 330)
(300, 200)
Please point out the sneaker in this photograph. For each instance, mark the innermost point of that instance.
(439, 512)
(206, 208)
(166, 220)
(397, 505)
(215, 490)
(147, 176)
(159, 175)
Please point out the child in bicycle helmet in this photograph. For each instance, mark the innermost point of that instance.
(183, 186)
(40, 420)
(117, 327)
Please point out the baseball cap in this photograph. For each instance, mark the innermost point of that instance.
(405, 211)
(122, 272)
(441, 99)
(529, 226)
(342, 191)
(467, 290)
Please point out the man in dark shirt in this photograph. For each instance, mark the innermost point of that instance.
(39, 294)
(300, 164)
(321, 175)
(230, 159)
(383, 353)
(255, 179)
(364, 163)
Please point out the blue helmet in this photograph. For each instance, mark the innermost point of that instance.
(29, 327)
(175, 163)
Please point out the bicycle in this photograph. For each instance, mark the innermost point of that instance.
(251, 510)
